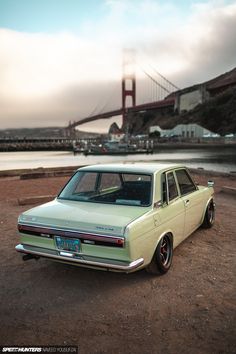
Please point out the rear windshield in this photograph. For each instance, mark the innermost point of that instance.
(109, 187)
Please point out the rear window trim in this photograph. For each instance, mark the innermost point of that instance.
(107, 203)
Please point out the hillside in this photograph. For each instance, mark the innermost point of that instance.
(44, 132)
(218, 114)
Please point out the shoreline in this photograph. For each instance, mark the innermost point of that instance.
(157, 146)
(44, 172)
(211, 159)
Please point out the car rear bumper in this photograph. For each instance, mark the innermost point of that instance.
(82, 260)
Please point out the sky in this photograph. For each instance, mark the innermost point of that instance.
(61, 60)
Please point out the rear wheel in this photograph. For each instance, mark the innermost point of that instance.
(162, 257)
(209, 217)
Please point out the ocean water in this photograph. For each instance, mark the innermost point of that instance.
(217, 159)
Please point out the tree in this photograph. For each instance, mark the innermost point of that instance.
(156, 134)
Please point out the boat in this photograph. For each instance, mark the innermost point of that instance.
(116, 148)
(77, 148)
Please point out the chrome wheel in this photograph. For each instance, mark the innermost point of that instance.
(211, 213)
(162, 257)
(209, 217)
(165, 250)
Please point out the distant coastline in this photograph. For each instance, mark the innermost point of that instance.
(67, 145)
(211, 158)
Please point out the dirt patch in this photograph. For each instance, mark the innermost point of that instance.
(191, 309)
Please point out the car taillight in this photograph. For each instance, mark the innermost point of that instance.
(87, 238)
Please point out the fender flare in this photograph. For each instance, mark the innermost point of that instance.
(168, 232)
(211, 199)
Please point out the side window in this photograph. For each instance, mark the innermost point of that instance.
(172, 188)
(186, 185)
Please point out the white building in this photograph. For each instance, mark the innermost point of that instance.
(116, 136)
(184, 131)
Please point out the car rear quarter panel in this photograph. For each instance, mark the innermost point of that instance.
(140, 236)
(207, 195)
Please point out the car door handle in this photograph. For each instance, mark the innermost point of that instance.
(186, 202)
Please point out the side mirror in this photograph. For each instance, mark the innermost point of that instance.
(210, 184)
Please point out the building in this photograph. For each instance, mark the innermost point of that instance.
(187, 100)
(189, 97)
(184, 131)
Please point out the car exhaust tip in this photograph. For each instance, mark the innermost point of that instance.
(27, 257)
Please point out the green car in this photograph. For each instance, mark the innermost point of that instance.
(118, 217)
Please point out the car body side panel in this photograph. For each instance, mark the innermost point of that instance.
(145, 233)
(172, 217)
(140, 236)
(194, 206)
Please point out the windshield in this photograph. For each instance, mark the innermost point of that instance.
(109, 187)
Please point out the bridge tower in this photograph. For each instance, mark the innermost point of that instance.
(70, 131)
(128, 83)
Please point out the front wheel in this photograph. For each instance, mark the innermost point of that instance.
(209, 217)
(162, 257)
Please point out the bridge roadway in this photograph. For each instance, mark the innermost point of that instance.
(169, 102)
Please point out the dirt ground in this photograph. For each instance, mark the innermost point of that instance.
(191, 309)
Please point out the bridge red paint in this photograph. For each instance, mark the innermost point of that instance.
(128, 90)
(169, 102)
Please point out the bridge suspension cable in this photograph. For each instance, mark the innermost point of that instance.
(154, 80)
(102, 107)
(159, 86)
(164, 78)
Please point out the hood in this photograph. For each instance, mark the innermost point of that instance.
(83, 216)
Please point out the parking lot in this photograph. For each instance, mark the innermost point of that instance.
(191, 309)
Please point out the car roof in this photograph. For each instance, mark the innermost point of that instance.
(148, 168)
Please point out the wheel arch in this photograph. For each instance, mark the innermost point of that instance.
(167, 232)
(211, 199)
(157, 265)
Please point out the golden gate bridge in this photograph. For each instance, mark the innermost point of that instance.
(159, 92)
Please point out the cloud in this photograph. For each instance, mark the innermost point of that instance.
(37, 64)
(49, 79)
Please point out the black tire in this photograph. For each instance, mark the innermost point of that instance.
(162, 257)
(209, 217)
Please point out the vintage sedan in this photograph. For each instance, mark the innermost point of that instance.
(119, 217)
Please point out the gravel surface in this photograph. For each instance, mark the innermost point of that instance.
(191, 309)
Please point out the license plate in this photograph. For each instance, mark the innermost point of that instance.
(67, 244)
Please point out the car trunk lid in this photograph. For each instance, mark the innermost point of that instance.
(95, 218)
